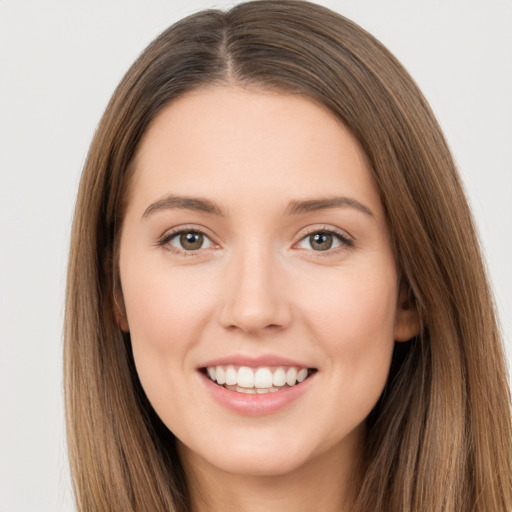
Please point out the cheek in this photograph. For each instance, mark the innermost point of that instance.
(351, 306)
(353, 322)
(166, 312)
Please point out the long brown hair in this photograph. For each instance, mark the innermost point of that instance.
(440, 437)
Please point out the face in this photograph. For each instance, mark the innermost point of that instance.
(258, 278)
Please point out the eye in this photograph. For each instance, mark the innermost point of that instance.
(320, 241)
(188, 241)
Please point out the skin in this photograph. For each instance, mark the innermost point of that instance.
(258, 286)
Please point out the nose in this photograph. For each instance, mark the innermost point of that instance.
(256, 299)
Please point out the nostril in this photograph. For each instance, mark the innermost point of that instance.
(273, 327)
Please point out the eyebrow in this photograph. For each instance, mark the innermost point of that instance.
(184, 203)
(295, 207)
(298, 207)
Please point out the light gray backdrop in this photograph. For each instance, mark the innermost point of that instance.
(59, 63)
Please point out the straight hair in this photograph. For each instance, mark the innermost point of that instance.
(439, 439)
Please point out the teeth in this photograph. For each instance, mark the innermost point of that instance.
(245, 377)
(231, 376)
(302, 374)
(291, 376)
(278, 379)
(220, 376)
(252, 391)
(263, 378)
(256, 380)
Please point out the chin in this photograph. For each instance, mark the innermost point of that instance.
(263, 457)
(261, 464)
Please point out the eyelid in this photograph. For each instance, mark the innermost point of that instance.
(168, 235)
(346, 240)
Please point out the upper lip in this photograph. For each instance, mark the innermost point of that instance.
(254, 361)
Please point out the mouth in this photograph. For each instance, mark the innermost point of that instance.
(258, 380)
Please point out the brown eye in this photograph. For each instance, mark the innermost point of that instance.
(189, 241)
(321, 241)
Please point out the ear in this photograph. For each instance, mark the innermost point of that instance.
(120, 309)
(407, 320)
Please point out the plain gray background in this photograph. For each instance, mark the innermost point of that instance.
(59, 64)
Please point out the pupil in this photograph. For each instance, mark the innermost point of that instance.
(321, 241)
(191, 241)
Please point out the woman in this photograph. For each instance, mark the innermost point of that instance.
(276, 298)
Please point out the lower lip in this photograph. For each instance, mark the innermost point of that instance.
(254, 404)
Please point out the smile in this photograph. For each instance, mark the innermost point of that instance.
(259, 380)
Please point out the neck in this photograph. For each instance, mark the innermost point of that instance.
(326, 482)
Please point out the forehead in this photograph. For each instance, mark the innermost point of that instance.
(247, 143)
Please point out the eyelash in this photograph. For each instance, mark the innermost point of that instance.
(345, 241)
(166, 239)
